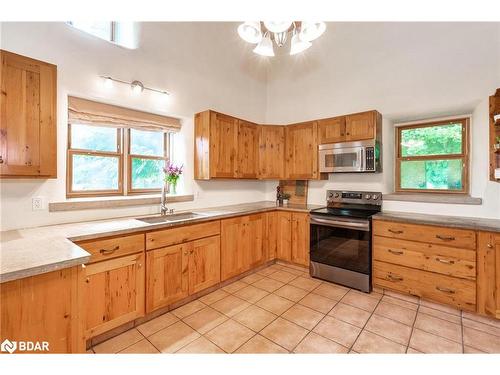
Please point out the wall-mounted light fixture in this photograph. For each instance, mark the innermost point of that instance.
(136, 86)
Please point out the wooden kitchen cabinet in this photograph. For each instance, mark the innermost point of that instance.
(301, 151)
(331, 130)
(272, 225)
(300, 238)
(488, 274)
(271, 152)
(255, 250)
(27, 117)
(113, 293)
(284, 236)
(204, 264)
(361, 126)
(248, 150)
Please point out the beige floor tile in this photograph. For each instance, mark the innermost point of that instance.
(172, 338)
(260, 345)
(368, 342)
(481, 326)
(440, 307)
(389, 329)
(440, 314)
(255, 318)
(303, 316)
(395, 312)
(89, 351)
(439, 327)
(250, 279)
(188, 309)
(402, 296)
(275, 304)
(201, 346)
(230, 335)
(154, 325)
(230, 305)
(251, 294)
(318, 303)
(284, 333)
(378, 290)
(360, 300)
(305, 283)
(338, 331)
(292, 266)
(481, 319)
(266, 271)
(205, 319)
(471, 350)
(332, 291)
(269, 285)
(481, 340)
(296, 272)
(314, 343)
(350, 314)
(429, 343)
(283, 276)
(400, 302)
(118, 343)
(141, 347)
(234, 286)
(291, 292)
(412, 351)
(214, 296)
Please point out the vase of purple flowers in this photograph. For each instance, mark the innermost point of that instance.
(172, 174)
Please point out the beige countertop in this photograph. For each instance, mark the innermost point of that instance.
(474, 223)
(32, 251)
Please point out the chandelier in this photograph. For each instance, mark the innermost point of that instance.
(264, 33)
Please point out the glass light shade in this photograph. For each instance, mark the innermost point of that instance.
(280, 38)
(298, 45)
(250, 32)
(311, 30)
(277, 26)
(265, 47)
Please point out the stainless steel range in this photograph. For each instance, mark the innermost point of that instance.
(341, 235)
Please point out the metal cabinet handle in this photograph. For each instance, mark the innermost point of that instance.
(445, 261)
(490, 246)
(395, 252)
(445, 238)
(109, 251)
(445, 290)
(394, 278)
(395, 231)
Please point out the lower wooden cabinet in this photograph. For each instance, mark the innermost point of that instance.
(488, 274)
(284, 236)
(271, 234)
(113, 293)
(293, 237)
(175, 272)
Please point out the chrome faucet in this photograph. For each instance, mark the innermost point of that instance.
(163, 200)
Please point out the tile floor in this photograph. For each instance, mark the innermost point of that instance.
(281, 309)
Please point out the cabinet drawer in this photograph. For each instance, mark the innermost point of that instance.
(428, 257)
(173, 236)
(445, 289)
(113, 247)
(426, 233)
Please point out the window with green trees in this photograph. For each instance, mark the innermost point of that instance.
(433, 157)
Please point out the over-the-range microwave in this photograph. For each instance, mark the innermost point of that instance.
(358, 156)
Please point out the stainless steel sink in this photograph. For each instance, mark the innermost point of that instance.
(172, 217)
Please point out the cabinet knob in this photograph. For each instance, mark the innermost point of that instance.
(139, 265)
(490, 246)
(1, 160)
(87, 280)
(185, 253)
(191, 252)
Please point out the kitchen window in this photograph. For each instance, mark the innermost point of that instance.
(432, 157)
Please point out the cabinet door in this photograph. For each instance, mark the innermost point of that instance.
(271, 152)
(254, 231)
(300, 238)
(204, 264)
(113, 293)
(248, 149)
(488, 274)
(167, 276)
(223, 145)
(284, 249)
(302, 151)
(331, 130)
(272, 235)
(360, 126)
(27, 117)
(233, 247)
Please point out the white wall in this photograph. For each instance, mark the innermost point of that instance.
(201, 69)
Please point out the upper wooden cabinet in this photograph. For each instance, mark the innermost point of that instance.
(301, 152)
(248, 150)
(354, 127)
(271, 152)
(488, 274)
(331, 130)
(27, 117)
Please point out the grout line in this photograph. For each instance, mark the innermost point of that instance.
(364, 326)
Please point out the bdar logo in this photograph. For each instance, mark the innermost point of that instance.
(8, 346)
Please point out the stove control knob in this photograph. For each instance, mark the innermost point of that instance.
(336, 195)
(330, 195)
(368, 196)
(375, 197)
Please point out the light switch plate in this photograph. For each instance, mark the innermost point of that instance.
(37, 203)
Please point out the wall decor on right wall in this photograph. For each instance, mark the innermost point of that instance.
(495, 136)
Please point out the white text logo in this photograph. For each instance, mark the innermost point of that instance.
(24, 346)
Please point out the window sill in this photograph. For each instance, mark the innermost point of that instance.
(433, 198)
(114, 202)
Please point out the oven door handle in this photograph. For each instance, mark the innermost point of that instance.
(363, 226)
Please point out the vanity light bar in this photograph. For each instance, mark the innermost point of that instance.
(135, 84)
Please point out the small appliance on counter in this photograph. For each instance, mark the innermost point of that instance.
(341, 232)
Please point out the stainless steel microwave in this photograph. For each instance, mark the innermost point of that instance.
(359, 156)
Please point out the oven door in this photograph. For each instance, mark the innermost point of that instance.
(342, 243)
(349, 159)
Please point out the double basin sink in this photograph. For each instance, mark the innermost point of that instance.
(170, 217)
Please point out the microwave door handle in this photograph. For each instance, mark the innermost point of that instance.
(361, 159)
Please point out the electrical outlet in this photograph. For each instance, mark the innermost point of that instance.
(37, 203)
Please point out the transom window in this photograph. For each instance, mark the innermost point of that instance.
(433, 157)
(104, 160)
(121, 33)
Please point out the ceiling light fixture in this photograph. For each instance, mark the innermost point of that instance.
(264, 33)
(136, 86)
